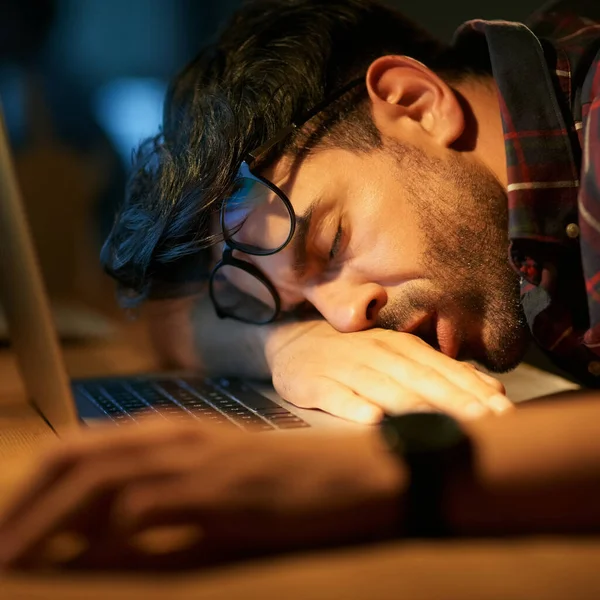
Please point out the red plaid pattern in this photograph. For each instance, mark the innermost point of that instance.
(548, 75)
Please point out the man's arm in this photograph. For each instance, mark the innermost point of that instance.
(536, 471)
(188, 334)
(351, 375)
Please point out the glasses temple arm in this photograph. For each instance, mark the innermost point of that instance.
(283, 133)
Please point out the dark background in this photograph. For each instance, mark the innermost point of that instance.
(82, 82)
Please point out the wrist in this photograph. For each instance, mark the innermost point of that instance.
(435, 450)
(277, 337)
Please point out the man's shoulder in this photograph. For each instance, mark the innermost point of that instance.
(560, 18)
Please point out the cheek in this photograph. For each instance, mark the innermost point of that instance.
(390, 235)
(409, 242)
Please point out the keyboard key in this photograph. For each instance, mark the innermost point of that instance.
(223, 402)
(245, 394)
(284, 417)
(273, 412)
(288, 424)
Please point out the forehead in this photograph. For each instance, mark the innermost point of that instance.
(311, 177)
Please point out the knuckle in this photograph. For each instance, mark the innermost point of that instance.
(284, 385)
(385, 334)
(384, 381)
(356, 408)
(337, 400)
(414, 340)
(406, 399)
(380, 343)
(461, 400)
(477, 379)
(398, 339)
(488, 382)
(320, 392)
(498, 385)
(466, 370)
(364, 373)
(426, 373)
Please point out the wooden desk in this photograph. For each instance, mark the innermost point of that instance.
(531, 568)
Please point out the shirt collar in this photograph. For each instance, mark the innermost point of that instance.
(543, 177)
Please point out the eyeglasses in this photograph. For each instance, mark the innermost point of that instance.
(237, 288)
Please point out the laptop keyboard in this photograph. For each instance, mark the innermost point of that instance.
(219, 401)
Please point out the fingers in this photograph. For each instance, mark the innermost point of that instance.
(384, 391)
(340, 401)
(23, 537)
(182, 519)
(442, 379)
(72, 484)
(361, 393)
(426, 389)
(418, 375)
(492, 381)
(113, 443)
(392, 370)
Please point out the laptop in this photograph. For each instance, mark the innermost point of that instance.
(65, 404)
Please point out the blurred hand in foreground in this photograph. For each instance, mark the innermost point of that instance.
(103, 498)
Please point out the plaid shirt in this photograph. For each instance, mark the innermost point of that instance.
(548, 76)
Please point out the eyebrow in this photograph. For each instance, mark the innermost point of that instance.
(299, 241)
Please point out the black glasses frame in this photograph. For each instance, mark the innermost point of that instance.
(229, 260)
(259, 152)
(245, 171)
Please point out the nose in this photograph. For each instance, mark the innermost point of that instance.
(348, 308)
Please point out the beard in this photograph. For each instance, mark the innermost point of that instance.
(462, 211)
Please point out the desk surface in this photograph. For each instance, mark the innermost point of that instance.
(529, 568)
(128, 352)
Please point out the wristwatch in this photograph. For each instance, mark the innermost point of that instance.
(436, 450)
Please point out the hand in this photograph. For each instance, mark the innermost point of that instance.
(359, 375)
(98, 498)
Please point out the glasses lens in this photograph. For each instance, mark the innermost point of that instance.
(255, 218)
(241, 295)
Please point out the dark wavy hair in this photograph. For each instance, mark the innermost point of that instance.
(273, 61)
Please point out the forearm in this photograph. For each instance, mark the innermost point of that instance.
(188, 334)
(536, 471)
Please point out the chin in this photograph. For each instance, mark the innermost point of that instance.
(505, 350)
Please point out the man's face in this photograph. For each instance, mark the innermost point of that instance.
(399, 238)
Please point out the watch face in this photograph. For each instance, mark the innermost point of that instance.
(426, 433)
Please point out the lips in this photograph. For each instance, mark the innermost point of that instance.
(447, 338)
(424, 327)
(420, 325)
(437, 331)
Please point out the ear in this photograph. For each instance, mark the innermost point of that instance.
(409, 99)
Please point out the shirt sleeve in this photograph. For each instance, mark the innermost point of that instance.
(589, 202)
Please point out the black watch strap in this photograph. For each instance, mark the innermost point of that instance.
(435, 449)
